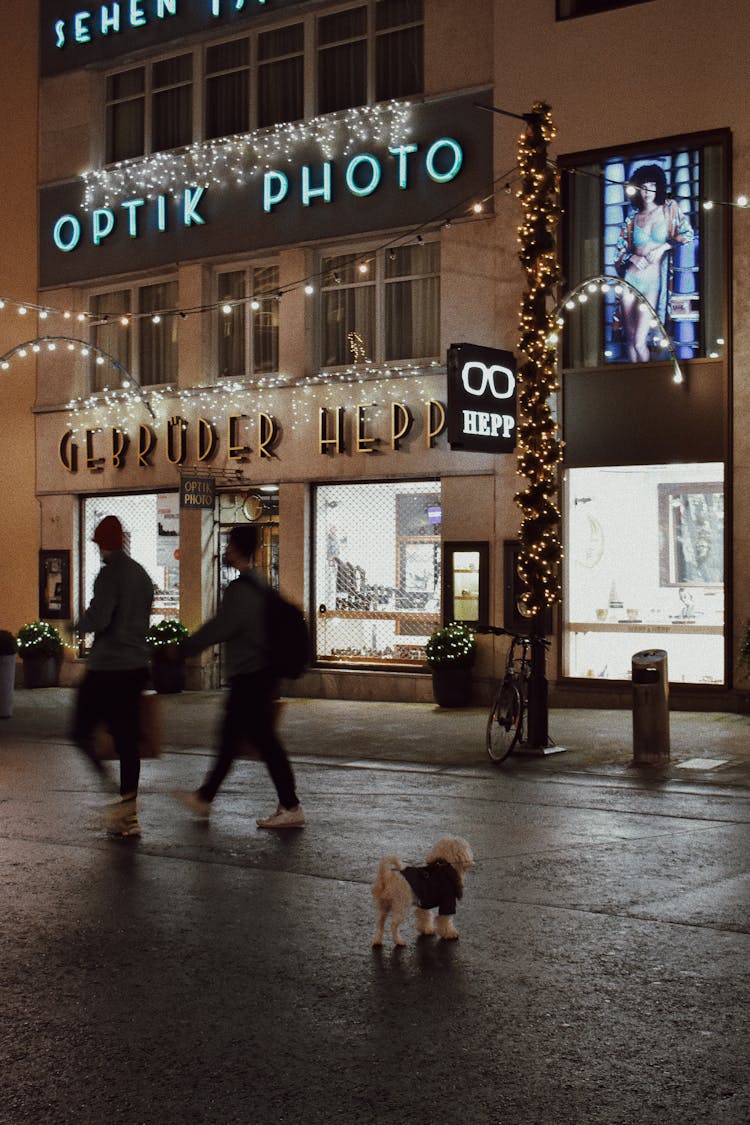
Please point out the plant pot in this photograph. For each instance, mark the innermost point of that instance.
(40, 671)
(451, 687)
(7, 684)
(168, 676)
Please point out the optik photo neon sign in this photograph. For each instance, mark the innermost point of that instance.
(363, 175)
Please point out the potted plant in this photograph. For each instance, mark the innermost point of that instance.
(41, 649)
(167, 666)
(451, 653)
(8, 650)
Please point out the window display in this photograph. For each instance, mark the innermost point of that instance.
(644, 568)
(636, 216)
(377, 571)
(151, 523)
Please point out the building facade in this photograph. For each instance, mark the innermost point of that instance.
(262, 228)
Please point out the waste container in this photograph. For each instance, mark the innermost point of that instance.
(650, 706)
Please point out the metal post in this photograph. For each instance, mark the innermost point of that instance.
(538, 725)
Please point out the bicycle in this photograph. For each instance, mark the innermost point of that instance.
(507, 722)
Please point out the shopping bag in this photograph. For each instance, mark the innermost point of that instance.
(149, 730)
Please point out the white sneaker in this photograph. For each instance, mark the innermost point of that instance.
(283, 818)
(193, 801)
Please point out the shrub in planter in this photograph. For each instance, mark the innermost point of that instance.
(167, 667)
(41, 650)
(8, 649)
(451, 653)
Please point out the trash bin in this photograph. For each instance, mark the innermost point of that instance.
(650, 706)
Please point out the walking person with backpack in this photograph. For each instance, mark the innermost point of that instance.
(242, 624)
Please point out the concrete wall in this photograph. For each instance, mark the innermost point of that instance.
(19, 513)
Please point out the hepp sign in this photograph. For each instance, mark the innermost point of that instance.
(481, 399)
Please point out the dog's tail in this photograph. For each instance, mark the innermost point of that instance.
(388, 863)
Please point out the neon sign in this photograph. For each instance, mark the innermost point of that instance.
(126, 15)
(364, 173)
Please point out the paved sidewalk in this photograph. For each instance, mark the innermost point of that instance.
(706, 747)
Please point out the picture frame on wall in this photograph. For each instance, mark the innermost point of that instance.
(54, 585)
(691, 531)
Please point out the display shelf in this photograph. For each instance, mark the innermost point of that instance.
(676, 628)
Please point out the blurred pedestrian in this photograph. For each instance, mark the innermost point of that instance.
(253, 689)
(117, 667)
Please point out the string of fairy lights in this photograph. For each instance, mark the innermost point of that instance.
(241, 157)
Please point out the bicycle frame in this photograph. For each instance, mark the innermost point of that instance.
(507, 723)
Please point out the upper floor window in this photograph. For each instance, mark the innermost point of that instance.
(130, 325)
(149, 108)
(352, 56)
(636, 217)
(381, 306)
(370, 53)
(248, 321)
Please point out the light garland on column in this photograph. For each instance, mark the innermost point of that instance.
(539, 450)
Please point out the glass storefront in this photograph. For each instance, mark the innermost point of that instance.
(377, 571)
(151, 522)
(645, 569)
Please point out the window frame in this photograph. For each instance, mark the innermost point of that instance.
(377, 260)
(250, 322)
(134, 328)
(714, 246)
(149, 92)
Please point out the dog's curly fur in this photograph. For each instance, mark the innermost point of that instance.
(393, 895)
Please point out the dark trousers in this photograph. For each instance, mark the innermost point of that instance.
(111, 699)
(249, 718)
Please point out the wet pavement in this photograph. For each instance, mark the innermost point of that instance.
(218, 973)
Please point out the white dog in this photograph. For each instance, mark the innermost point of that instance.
(440, 883)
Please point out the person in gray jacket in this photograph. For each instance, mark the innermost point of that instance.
(117, 667)
(249, 715)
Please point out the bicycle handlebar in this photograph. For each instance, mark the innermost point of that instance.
(498, 631)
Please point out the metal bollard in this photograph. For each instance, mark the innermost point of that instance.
(650, 707)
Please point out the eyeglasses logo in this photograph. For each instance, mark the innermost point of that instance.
(477, 377)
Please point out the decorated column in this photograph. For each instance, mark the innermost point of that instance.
(539, 450)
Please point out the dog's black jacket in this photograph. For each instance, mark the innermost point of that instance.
(435, 884)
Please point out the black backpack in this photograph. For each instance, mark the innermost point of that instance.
(287, 635)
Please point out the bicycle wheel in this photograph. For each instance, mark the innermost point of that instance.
(504, 721)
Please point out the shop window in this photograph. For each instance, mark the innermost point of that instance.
(151, 523)
(149, 108)
(644, 568)
(637, 217)
(466, 596)
(377, 571)
(569, 9)
(135, 327)
(381, 305)
(248, 321)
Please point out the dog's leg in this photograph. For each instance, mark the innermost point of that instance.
(445, 927)
(378, 936)
(424, 921)
(397, 918)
